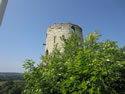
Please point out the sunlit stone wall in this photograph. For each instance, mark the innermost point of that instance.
(54, 33)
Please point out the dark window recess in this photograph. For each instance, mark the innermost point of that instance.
(72, 29)
(47, 52)
(54, 39)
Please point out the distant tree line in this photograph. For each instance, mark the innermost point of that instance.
(11, 83)
(10, 76)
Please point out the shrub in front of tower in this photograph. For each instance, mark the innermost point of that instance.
(88, 67)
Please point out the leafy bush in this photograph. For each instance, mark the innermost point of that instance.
(88, 67)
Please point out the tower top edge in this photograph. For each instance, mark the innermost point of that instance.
(55, 25)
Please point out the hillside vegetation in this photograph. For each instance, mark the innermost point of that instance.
(5, 76)
(11, 83)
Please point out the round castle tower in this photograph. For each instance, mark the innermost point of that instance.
(55, 31)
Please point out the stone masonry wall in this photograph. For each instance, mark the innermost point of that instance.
(54, 33)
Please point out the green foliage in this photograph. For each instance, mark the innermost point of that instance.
(88, 67)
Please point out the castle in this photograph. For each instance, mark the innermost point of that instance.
(54, 33)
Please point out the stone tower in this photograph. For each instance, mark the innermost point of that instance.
(54, 33)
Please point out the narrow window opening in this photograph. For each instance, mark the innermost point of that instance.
(47, 52)
(54, 39)
(72, 29)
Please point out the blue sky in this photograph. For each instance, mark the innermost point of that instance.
(25, 23)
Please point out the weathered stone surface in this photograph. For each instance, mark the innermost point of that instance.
(54, 33)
